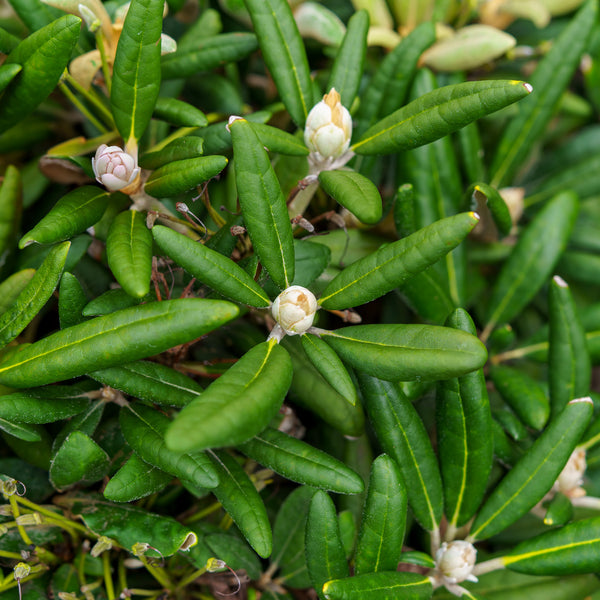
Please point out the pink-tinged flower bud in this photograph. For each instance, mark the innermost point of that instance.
(455, 562)
(114, 168)
(294, 309)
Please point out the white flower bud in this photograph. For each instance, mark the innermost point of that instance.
(455, 562)
(571, 477)
(294, 309)
(114, 168)
(328, 127)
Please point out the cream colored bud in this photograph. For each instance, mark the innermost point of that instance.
(214, 564)
(328, 127)
(455, 561)
(571, 477)
(21, 571)
(33, 518)
(104, 543)
(114, 168)
(294, 309)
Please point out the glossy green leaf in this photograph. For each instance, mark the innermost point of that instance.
(111, 301)
(403, 437)
(241, 501)
(78, 460)
(136, 71)
(10, 208)
(27, 433)
(179, 113)
(392, 265)
(207, 53)
(12, 286)
(277, 140)
(535, 473)
(262, 201)
(210, 267)
(414, 557)
(437, 114)
(384, 519)
(34, 13)
(189, 146)
(112, 340)
(150, 381)
(144, 429)
(532, 260)
(384, 585)
(484, 193)
(86, 421)
(8, 41)
(134, 480)
(129, 252)
(34, 295)
(355, 192)
(235, 552)
(311, 261)
(465, 441)
(569, 550)
(71, 215)
(300, 462)
(549, 81)
(284, 54)
(348, 66)
(325, 556)
(182, 175)
(71, 300)
(43, 57)
(569, 367)
(560, 510)
(407, 352)
(238, 405)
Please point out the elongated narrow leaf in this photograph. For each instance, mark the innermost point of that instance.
(531, 478)
(114, 339)
(391, 266)
(189, 146)
(568, 550)
(86, 421)
(136, 73)
(560, 510)
(34, 295)
(384, 585)
(211, 267)
(437, 114)
(144, 429)
(284, 54)
(43, 57)
(403, 437)
(43, 405)
(71, 300)
(407, 352)
(384, 519)
(263, 205)
(532, 259)
(10, 208)
(325, 556)
(302, 463)
(464, 437)
(129, 252)
(277, 140)
(27, 433)
(239, 498)
(177, 112)
(482, 192)
(568, 360)
(549, 81)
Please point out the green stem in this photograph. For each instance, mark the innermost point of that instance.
(59, 519)
(214, 507)
(192, 577)
(92, 98)
(181, 132)
(105, 66)
(108, 582)
(158, 573)
(15, 510)
(15, 555)
(81, 107)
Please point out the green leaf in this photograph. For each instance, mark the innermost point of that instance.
(86, 421)
(560, 510)
(348, 66)
(27, 433)
(182, 175)
(114, 339)
(43, 57)
(70, 216)
(484, 193)
(535, 473)
(179, 113)
(392, 265)
(549, 81)
(284, 54)
(532, 260)
(34, 295)
(465, 441)
(241, 501)
(355, 192)
(238, 405)
(71, 300)
(262, 201)
(328, 363)
(278, 140)
(384, 585)
(437, 114)
(136, 72)
(325, 556)
(205, 54)
(407, 352)
(403, 437)
(150, 381)
(144, 429)
(384, 519)
(569, 366)
(300, 462)
(189, 146)
(134, 480)
(235, 552)
(211, 267)
(568, 550)
(10, 208)
(111, 301)
(78, 460)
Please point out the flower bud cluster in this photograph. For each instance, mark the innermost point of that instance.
(115, 169)
(455, 561)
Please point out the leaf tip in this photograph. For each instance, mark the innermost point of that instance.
(528, 87)
(25, 241)
(558, 280)
(586, 399)
(475, 216)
